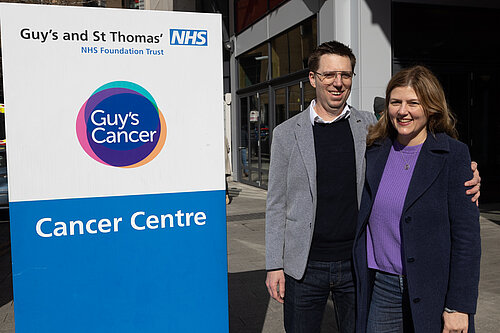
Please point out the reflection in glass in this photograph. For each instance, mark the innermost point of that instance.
(279, 47)
(280, 105)
(294, 100)
(254, 132)
(264, 135)
(288, 52)
(291, 49)
(254, 177)
(309, 93)
(253, 66)
(264, 177)
(243, 147)
(302, 41)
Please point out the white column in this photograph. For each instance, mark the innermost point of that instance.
(363, 25)
(374, 50)
(158, 4)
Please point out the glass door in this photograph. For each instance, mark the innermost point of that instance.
(309, 93)
(294, 99)
(264, 138)
(291, 99)
(260, 112)
(243, 147)
(254, 149)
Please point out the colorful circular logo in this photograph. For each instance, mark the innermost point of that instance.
(120, 125)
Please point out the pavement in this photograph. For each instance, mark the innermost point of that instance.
(250, 308)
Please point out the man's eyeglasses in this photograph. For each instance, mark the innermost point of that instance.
(329, 77)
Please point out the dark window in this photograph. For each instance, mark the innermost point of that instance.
(280, 51)
(445, 33)
(289, 53)
(291, 49)
(294, 100)
(253, 66)
(280, 105)
(458, 44)
(309, 93)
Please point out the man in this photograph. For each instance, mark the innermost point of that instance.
(316, 178)
(378, 106)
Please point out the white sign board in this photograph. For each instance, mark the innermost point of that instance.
(114, 123)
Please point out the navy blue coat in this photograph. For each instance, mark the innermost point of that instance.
(441, 244)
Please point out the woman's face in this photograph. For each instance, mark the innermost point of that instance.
(407, 116)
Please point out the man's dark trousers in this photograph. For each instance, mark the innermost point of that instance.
(305, 299)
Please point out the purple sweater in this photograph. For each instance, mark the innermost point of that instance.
(383, 241)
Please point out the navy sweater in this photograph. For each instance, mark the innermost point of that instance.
(337, 206)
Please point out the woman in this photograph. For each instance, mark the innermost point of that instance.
(417, 246)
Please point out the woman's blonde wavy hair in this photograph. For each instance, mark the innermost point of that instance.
(431, 96)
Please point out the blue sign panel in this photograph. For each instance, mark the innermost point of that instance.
(144, 263)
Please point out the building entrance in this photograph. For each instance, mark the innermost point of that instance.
(471, 93)
(254, 149)
(464, 58)
(260, 113)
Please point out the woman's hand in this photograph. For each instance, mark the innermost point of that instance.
(456, 322)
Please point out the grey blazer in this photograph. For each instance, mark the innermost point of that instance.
(291, 196)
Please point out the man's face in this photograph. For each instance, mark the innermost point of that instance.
(332, 97)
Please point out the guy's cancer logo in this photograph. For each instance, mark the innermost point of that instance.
(120, 125)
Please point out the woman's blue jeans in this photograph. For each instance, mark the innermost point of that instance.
(390, 307)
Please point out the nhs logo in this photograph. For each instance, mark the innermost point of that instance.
(188, 37)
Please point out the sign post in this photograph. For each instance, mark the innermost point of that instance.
(114, 124)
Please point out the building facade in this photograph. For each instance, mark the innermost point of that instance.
(270, 41)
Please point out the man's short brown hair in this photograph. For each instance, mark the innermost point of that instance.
(332, 47)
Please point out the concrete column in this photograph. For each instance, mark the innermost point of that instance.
(374, 50)
(365, 26)
(159, 4)
(326, 22)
